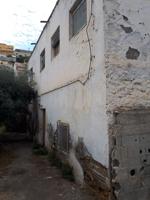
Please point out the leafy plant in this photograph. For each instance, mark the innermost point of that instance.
(15, 95)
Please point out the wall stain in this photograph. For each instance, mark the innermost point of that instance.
(132, 54)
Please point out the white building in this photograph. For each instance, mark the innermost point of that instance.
(92, 69)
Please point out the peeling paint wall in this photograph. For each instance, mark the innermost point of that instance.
(127, 62)
(127, 47)
(130, 155)
(83, 107)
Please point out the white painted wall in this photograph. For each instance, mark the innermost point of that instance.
(83, 107)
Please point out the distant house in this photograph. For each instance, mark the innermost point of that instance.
(7, 61)
(91, 64)
(7, 50)
(15, 59)
(22, 57)
(22, 52)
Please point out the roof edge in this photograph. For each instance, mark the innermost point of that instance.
(57, 2)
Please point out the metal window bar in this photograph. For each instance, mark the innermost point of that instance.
(63, 138)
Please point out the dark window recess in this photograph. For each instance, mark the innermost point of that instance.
(55, 43)
(63, 137)
(78, 17)
(31, 74)
(42, 60)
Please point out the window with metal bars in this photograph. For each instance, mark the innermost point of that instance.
(63, 137)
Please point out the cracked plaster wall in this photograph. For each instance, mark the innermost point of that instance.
(127, 62)
(83, 107)
(127, 58)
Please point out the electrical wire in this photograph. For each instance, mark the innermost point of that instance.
(90, 62)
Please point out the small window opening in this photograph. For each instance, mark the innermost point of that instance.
(42, 60)
(55, 43)
(31, 74)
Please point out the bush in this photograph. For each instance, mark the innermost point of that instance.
(15, 96)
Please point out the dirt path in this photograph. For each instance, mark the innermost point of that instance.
(24, 176)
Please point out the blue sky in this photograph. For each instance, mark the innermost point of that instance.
(20, 21)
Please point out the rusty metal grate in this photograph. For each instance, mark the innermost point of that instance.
(51, 135)
(63, 138)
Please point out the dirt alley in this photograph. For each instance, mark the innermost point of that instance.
(24, 176)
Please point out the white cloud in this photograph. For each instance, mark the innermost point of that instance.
(20, 21)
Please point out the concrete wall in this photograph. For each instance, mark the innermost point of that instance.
(82, 106)
(127, 61)
(130, 154)
(127, 46)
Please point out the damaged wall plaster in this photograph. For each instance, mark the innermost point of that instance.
(127, 61)
(127, 58)
(83, 107)
(130, 155)
(95, 174)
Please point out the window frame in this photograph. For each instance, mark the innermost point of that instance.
(55, 47)
(76, 6)
(42, 60)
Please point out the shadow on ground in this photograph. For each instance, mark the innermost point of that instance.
(24, 176)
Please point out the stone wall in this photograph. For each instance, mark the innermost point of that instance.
(130, 155)
(127, 62)
(127, 47)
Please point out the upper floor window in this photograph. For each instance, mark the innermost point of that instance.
(31, 75)
(55, 43)
(78, 17)
(42, 60)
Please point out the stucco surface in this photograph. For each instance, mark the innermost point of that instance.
(127, 40)
(82, 106)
